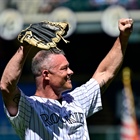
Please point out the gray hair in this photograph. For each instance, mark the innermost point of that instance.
(41, 60)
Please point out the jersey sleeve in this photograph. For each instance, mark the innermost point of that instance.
(21, 120)
(89, 97)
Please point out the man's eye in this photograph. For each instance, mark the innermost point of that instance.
(65, 68)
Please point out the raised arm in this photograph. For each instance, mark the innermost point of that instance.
(112, 62)
(10, 78)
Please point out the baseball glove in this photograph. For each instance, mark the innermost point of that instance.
(44, 34)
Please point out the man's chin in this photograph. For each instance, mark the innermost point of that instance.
(68, 88)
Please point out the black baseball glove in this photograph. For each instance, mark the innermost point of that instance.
(44, 34)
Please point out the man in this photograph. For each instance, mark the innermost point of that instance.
(49, 114)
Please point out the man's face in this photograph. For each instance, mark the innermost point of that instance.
(60, 74)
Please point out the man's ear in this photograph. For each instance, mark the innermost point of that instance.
(45, 74)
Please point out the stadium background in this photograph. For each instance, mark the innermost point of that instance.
(89, 43)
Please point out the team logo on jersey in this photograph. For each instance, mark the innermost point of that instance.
(51, 119)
